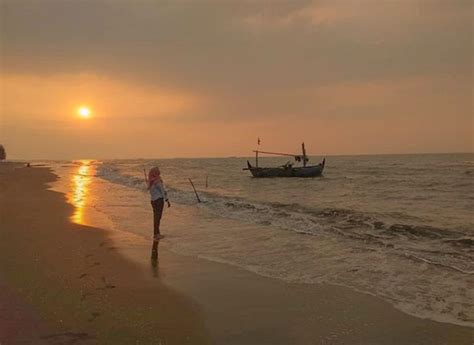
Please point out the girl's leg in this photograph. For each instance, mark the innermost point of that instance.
(157, 213)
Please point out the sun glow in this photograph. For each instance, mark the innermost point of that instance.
(84, 112)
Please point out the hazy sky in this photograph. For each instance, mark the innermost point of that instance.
(206, 78)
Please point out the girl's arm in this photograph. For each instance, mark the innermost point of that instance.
(165, 194)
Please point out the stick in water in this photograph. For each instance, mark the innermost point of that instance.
(195, 192)
(146, 178)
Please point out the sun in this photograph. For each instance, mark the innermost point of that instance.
(84, 112)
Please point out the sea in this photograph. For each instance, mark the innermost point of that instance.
(398, 227)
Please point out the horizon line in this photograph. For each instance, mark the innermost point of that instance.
(243, 157)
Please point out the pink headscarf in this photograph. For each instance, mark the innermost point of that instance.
(154, 176)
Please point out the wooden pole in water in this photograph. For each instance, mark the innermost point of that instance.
(207, 178)
(195, 192)
(146, 178)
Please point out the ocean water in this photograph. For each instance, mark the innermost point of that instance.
(399, 227)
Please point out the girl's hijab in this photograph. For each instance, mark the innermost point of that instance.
(154, 176)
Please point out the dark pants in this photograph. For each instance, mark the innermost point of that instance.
(157, 212)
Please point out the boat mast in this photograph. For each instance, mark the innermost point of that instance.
(305, 158)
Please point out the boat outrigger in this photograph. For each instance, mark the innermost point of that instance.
(287, 170)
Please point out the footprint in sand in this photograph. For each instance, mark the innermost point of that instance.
(94, 316)
(106, 285)
(84, 295)
(70, 337)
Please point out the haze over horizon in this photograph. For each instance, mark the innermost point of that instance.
(206, 78)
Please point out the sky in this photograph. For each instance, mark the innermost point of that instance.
(196, 78)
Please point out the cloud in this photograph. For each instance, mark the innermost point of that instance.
(383, 15)
(199, 45)
(309, 14)
(219, 66)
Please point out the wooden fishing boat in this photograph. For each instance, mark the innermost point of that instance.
(286, 170)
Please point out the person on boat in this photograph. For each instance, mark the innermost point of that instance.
(158, 197)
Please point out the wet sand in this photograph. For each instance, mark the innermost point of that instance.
(69, 283)
(71, 279)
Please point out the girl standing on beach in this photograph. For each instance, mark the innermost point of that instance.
(158, 197)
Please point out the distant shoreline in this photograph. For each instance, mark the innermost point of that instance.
(25, 160)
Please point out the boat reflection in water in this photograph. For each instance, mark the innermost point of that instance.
(80, 182)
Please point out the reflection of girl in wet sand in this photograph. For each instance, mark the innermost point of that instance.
(158, 197)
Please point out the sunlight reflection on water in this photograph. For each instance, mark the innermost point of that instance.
(80, 182)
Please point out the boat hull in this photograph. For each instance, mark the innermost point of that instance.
(309, 171)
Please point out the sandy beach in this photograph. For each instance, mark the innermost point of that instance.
(64, 283)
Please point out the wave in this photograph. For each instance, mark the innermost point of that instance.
(438, 264)
(467, 242)
(393, 255)
(373, 229)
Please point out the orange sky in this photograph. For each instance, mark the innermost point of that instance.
(199, 79)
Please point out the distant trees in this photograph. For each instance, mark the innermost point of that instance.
(3, 154)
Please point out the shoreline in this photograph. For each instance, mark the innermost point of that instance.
(85, 286)
(73, 280)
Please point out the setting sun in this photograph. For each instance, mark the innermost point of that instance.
(84, 112)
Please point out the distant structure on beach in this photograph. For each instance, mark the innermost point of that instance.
(3, 154)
